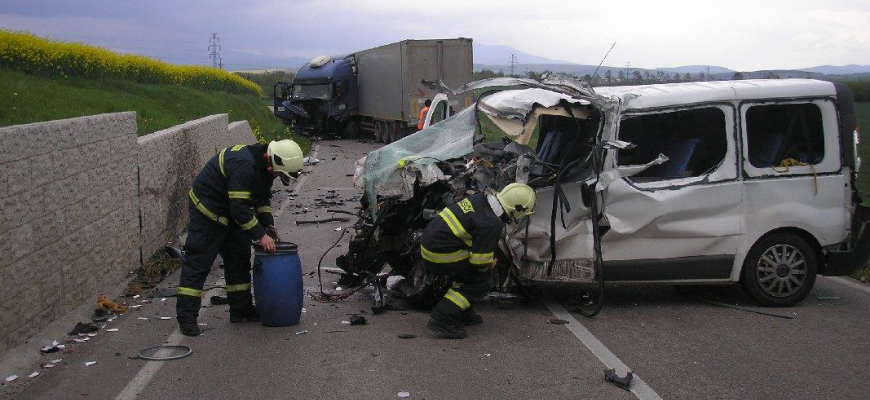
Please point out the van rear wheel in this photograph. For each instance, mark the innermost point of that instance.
(780, 270)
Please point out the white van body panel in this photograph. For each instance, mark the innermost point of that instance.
(681, 218)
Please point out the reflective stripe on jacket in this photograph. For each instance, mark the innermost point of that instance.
(235, 186)
(467, 230)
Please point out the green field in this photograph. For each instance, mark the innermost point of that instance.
(26, 98)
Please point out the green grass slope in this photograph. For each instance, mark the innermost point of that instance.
(26, 98)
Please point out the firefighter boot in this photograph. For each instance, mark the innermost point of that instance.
(242, 307)
(445, 320)
(470, 317)
(187, 311)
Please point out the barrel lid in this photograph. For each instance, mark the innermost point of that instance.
(280, 248)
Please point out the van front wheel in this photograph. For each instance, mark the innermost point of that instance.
(779, 270)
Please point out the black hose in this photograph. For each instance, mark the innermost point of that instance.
(319, 278)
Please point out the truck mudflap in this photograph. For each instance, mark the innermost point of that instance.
(857, 253)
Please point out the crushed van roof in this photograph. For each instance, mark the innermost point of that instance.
(675, 94)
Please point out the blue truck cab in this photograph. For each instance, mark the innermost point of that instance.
(322, 99)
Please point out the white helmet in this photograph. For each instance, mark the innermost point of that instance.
(518, 200)
(286, 157)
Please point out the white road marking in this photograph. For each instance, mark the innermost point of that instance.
(850, 283)
(610, 360)
(147, 373)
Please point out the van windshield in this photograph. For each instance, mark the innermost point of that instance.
(307, 92)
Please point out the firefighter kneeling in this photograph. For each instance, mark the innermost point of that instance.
(461, 243)
(229, 207)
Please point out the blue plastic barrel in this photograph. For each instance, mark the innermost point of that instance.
(278, 285)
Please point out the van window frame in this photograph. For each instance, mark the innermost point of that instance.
(832, 162)
(732, 156)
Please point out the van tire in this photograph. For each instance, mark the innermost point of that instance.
(780, 270)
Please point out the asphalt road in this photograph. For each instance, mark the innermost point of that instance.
(678, 344)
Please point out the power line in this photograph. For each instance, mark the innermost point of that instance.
(214, 45)
(513, 64)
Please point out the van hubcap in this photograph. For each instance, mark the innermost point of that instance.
(781, 270)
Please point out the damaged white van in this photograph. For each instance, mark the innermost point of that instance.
(696, 183)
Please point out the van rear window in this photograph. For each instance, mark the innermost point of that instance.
(785, 135)
(695, 142)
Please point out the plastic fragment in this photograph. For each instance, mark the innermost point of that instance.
(49, 365)
(143, 318)
(112, 330)
(11, 378)
(302, 332)
(57, 361)
(403, 394)
(345, 322)
(137, 296)
(556, 321)
(407, 336)
(165, 318)
(33, 375)
(89, 363)
(136, 306)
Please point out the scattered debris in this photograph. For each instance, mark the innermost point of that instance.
(338, 229)
(345, 322)
(101, 314)
(89, 363)
(143, 318)
(164, 353)
(611, 376)
(173, 252)
(302, 332)
(49, 365)
(322, 221)
(310, 161)
(341, 212)
(165, 318)
(112, 330)
(820, 297)
(136, 306)
(11, 378)
(83, 327)
(57, 361)
(357, 320)
(337, 331)
(407, 336)
(137, 296)
(104, 302)
(81, 340)
(403, 394)
(556, 321)
(54, 347)
(33, 375)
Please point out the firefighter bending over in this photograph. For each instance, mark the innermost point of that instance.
(461, 243)
(229, 207)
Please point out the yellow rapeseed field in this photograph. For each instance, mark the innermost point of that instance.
(35, 55)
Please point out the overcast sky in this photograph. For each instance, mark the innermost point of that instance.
(741, 35)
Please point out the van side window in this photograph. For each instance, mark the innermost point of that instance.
(694, 141)
(784, 135)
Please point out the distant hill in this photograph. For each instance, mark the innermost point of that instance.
(839, 69)
(581, 69)
(497, 54)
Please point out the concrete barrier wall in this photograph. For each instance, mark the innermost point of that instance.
(84, 201)
(67, 216)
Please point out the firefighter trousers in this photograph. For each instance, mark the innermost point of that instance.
(469, 285)
(205, 240)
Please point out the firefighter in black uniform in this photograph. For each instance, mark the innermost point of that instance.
(461, 243)
(229, 207)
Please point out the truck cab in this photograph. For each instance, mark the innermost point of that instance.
(322, 99)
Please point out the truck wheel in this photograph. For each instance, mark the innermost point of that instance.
(779, 270)
(385, 134)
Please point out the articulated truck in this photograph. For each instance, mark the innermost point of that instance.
(377, 90)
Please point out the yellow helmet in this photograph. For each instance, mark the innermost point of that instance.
(518, 200)
(285, 156)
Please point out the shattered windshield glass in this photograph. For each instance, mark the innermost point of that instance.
(392, 170)
(306, 92)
